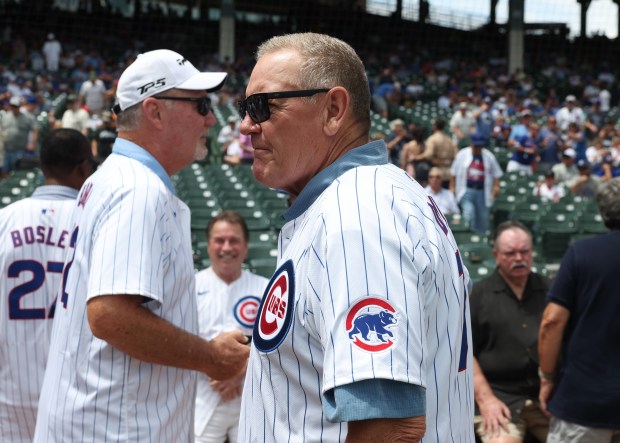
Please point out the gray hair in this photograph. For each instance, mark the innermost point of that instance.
(608, 201)
(129, 119)
(328, 62)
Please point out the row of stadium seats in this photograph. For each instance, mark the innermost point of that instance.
(209, 189)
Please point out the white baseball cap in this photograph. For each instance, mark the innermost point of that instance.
(15, 101)
(570, 152)
(160, 70)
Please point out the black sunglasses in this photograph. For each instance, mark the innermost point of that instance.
(257, 105)
(204, 103)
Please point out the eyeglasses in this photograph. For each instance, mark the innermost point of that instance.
(257, 105)
(204, 103)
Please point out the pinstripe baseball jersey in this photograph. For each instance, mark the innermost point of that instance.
(222, 307)
(35, 235)
(132, 236)
(369, 286)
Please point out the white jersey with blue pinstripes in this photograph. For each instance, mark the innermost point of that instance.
(34, 235)
(370, 286)
(222, 307)
(133, 237)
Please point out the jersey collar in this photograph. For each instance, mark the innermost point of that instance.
(55, 192)
(136, 152)
(373, 153)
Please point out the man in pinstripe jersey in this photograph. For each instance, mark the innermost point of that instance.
(125, 341)
(34, 233)
(363, 333)
(228, 297)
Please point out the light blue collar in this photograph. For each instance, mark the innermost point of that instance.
(373, 153)
(136, 152)
(55, 192)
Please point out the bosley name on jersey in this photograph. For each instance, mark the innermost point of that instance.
(39, 234)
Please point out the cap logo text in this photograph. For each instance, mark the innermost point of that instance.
(181, 61)
(156, 84)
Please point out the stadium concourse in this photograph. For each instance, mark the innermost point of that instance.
(408, 84)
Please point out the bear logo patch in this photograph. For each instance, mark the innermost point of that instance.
(369, 324)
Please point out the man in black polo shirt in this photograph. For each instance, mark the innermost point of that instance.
(506, 310)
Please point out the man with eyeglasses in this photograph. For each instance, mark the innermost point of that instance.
(506, 310)
(443, 197)
(363, 331)
(125, 341)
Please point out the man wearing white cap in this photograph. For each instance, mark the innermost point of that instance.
(52, 50)
(124, 343)
(566, 171)
(570, 113)
(462, 124)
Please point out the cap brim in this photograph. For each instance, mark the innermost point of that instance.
(204, 81)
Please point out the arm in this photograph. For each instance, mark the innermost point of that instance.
(231, 388)
(394, 142)
(384, 430)
(494, 412)
(33, 140)
(496, 187)
(552, 326)
(125, 324)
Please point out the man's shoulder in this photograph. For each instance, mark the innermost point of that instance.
(254, 279)
(484, 287)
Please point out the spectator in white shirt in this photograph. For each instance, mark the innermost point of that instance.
(548, 189)
(446, 202)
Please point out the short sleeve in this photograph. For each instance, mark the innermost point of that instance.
(563, 289)
(133, 245)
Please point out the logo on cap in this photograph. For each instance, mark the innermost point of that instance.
(276, 310)
(157, 83)
(181, 61)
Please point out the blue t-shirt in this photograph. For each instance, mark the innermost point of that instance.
(588, 387)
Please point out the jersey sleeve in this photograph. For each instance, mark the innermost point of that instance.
(563, 289)
(367, 286)
(133, 244)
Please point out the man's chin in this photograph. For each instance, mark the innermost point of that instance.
(200, 153)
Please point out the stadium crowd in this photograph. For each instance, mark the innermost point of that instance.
(566, 139)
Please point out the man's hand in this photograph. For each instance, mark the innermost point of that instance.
(229, 389)
(495, 414)
(544, 395)
(229, 355)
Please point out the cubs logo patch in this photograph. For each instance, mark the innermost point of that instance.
(368, 324)
(276, 309)
(245, 310)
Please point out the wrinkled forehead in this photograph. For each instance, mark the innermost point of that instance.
(275, 71)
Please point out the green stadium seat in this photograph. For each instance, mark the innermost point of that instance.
(457, 223)
(479, 271)
(263, 266)
(468, 237)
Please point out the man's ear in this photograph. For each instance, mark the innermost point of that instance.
(338, 102)
(152, 111)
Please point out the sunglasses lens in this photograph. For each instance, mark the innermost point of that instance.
(204, 106)
(241, 109)
(257, 108)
